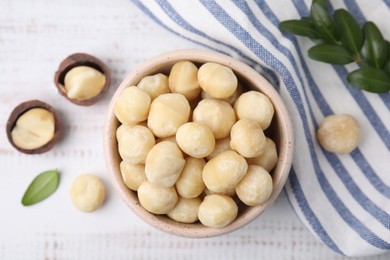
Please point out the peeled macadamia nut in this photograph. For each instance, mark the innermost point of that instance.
(134, 143)
(167, 113)
(83, 82)
(255, 106)
(339, 133)
(217, 80)
(154, 85)
(155, 199)
(33, 129)
(195, 139)
(132, 106)
(190, 183)
(247, 138)
(256, 186)
(185, 210)
(222, 173)
(221, 146)
(218, 115)
(164, 164)
(268, 159)
(217, 211)
(87, 192)
(133, 174)
(183, 79)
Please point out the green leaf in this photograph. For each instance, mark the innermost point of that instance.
(299, 27)
(370, 79)
(323, 3)
(41, 187)
(324, 23)
(374, 48)
(349, 29)
(333, 54)
(387, 64)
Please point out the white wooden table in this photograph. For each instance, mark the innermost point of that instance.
(35, 35)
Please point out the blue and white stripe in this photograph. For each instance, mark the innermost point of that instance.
(344, 200)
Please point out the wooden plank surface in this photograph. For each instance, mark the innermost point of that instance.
(34, 37)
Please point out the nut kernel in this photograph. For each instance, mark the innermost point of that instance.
(183, 79)
(217, 80)
(154, 85)
(83, 82)
(134, 143)
(218, 115)
(167, 113)
(222, 173)
(164, 164)
(339, 133)
(190, 183)
(132, 106)
(185, 210)
(268, 159)
(155, 199)
(133, 174)
(195, 139)
(87, 192)
(217, 211)
(256, 186)
(255, 106)
(33, 129)
(247, 138)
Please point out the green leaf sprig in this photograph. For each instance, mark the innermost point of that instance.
(41, 187)
(340, 40)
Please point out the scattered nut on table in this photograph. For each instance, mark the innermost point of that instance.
(87, 192)
(339, 133)
(82, 78)
(33, 127)
(197, 150)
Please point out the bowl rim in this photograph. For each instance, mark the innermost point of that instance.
(198, 56)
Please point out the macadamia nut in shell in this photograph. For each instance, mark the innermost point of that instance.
(167, 113)
(339, 133)
(132, 106)
(33, 129)
(217, 211)
(83, 82)
(164, 164)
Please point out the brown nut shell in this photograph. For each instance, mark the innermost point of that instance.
(81, 59)
(20, 110)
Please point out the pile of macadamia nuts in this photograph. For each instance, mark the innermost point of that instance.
(193, 145)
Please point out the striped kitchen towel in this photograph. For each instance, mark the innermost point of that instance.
(343, 199)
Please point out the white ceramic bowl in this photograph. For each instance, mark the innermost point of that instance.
(280, 131)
